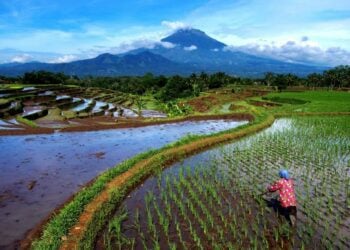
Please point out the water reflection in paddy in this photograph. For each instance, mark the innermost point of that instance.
(39, 172)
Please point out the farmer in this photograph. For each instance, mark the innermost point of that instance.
(287, 200)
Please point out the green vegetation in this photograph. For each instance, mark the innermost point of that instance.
(54, 114)
(44, 77)
(27, 122)
(216, 203)
(170, 88)
(61, 224)
(4, 102)
(69, 114)
(315, 101)
(140, 104)
(197, 211)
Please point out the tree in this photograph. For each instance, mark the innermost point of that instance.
(338, 76)
(280, 82)
(291, 80)
(314, 80)
(269, 78)
(44, 77)
(217, 80)
(140, 104)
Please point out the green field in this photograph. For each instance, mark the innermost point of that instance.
(189, 212)
(216, 204)
(316, 101)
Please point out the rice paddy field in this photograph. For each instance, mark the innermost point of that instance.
(214, 200)
(62, 106)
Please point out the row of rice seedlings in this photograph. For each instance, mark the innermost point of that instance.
(217, 197)
(335, 184)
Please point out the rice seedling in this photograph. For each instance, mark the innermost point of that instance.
(215, 201)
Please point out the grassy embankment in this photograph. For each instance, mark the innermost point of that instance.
(111, 187)
(26, 122)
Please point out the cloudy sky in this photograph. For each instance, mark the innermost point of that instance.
(307, 31)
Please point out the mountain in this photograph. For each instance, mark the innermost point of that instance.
(194, 37)
(107, 65)
(210, 55)
(190, 51)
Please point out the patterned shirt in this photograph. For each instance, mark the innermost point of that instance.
(286, 192)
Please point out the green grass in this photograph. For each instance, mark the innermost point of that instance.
(11, 86)
(27, 122)
(4, 101)
(317, 101)
(53, 115)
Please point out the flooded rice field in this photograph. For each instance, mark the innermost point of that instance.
(54, 106)
(214, 200)
(39, 172)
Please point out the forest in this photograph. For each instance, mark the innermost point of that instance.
(166, 88)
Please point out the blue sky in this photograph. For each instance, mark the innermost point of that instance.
(307, 31)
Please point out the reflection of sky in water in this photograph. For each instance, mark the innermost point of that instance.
(98, 106)
(2, 122)
(31, 110)
(82, 106)
(61, 162)
(28, 88)
(280, 125)
(46, 93)
(62, 97)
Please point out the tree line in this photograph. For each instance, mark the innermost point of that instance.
(167, 88)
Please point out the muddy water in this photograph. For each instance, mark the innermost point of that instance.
(39, 172)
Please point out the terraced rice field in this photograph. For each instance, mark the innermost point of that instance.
(213, 200)
(51, 106)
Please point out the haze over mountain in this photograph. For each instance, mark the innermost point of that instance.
(184, 52)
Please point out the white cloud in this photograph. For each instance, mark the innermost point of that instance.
(175, 25)
(168, 45)
(64, 59)
(300, 51)
(275, 19)
(135, 44)
(190, 48)
(21, 58)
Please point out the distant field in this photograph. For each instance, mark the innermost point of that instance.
(316, 101)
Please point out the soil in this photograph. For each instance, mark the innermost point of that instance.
(203, 104)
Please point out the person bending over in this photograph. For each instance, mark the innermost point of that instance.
(287, 200)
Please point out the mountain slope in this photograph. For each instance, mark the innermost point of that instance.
(210, 55)
(192, 51)
(233, 62)
(107, 65)
(190, 37)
